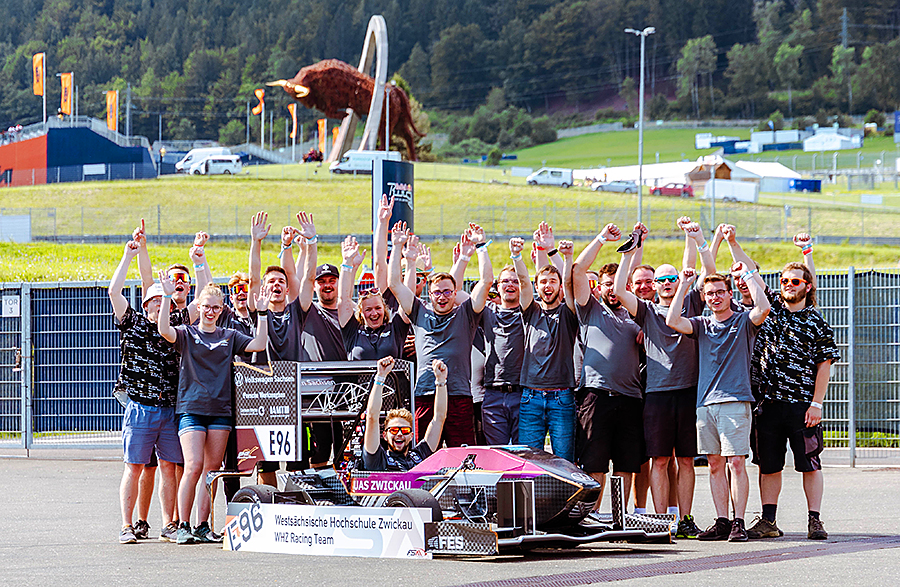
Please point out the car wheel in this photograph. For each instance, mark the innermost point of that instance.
(415, 498)
(196, 172)
(532, 183)
(226, 172)
(629, 191)
(255, 494)
(684, 194)
(565, 185)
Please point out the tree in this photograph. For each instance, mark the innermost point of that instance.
(787, 66)
(628, 94)
(417, 71)
(842, 69)
(458, 67)
(746, 75)
(698, 57)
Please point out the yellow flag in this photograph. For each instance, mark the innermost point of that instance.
(322, 130)
(65, 102)
(112, 110)
(292, 108)
(37, 67)
(260, 95)
(334, 134)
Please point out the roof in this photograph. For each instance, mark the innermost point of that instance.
(767, 169)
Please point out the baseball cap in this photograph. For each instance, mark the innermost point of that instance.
(151, 292)
(327, 269)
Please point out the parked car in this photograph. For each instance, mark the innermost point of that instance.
(626, 187)
(195, 155)
(362, 162)
(674, 189)
(217, 165)
(551, 176)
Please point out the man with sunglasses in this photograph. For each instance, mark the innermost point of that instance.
(796, 349)
(444, 330)
(401, 453)
(724, 397)
(669, 414)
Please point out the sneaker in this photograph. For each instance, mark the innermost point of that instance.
(763, 528)
(738, 532)
(169, 533)
(687, 528)
(203, 533)
(816, 530)
(127, 535)
(141, 530)
(184, 535)
(718, 531)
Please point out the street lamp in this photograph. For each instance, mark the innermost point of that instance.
(643, 34)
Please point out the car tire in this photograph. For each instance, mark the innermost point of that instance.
(415, 498)
(532, 183)
(226, 172)
(196, 172)
(684, 194)
(255, 494)
(565, 185)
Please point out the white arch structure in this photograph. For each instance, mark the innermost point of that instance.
(375, 48)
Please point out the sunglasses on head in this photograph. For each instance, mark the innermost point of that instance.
(399, 429)
(240, 288)
(420, 279)
(368, 293)
(592, 283)
(179, 276)
(668, 278)
(795, 281)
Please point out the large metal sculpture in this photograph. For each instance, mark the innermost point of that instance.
(341, 91)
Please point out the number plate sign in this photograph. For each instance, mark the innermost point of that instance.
(267, 419)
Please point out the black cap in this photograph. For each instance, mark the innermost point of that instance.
(326, 269)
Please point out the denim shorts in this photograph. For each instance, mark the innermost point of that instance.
(197, 423)
(145, 428)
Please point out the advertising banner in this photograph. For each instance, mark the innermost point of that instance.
(323, 130)
(112, 110)
(394, 179)
(292, 108)
(268, 422)
(37, 67)
(65, 101)
(261, 96)
(327, 531)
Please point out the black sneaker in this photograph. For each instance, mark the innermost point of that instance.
(141, 530)
(687, 528)
(126, 536)
(169, 533)
(763, 528)
(204, 534)
(718, 531)
(738, 532)
(185, 536)
(816, 530)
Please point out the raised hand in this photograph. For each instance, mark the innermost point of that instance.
(350, 251)
(516, 246)
(168, 286)
(399, 234)
(440, 371)
(566, 248)
(131, 249)
(288, 234)
(307, 226)
(412, 248)
(139, 236)
(466, 246)
(262, 299)
(200, 239)
(694, 231)
(197, 255)
(688, 275)
(611, 232)
(258, 227)
(425, 255)
(802, 240)
(729, 233)
(456, 253)
(640, 226)
(683, 221)
(543, 236)
(384, 208)
(384, 367)
(476, 234)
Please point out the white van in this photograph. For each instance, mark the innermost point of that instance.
(195, 155)
(361, 161)
(217, 165)
(551, 176)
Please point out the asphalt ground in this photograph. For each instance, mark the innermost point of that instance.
(59, 522)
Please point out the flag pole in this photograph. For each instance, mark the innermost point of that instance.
(44, 87)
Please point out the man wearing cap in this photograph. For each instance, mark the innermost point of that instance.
(149, 377)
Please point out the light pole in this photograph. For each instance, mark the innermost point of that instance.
(643, 34)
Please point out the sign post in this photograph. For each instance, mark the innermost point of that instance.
(393, 179)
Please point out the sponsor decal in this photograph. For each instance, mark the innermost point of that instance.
(581, 477)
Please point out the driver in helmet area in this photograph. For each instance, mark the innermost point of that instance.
(401, 454)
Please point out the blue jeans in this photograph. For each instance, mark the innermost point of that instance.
(553, 410)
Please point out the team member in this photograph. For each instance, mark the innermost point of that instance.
(401, 455)
(724, 397)
(797, 349)
(149, 377)
(205, 403)
(609, 399)
(669, 415)
(504, 334)
(368, 329)
(443, 331)
(548, 367)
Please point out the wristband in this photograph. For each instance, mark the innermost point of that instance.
(284, 247)
(346, 267)
(540, 248)
(516, 257)
(440, 383)
(704, 247)
(465, 258)
(816, 405)
(483, 245)
(200, 266)
(748, 275)
(553, 252)
(807, 249)
(313, 240)
(169, 296)
(262, 313)
(602, 238)
(379, 380)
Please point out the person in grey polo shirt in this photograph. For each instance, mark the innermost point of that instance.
(724, 398)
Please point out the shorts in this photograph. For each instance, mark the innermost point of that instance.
(610, 428)
(724, 429)
(196, 423)
(670, 422)
(459, 427)
(145, 428)
(779, 423)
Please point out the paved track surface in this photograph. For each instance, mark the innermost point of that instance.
(59, 519)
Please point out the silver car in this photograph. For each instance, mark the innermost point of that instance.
(628, 187)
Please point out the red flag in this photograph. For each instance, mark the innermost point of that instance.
(260, 95)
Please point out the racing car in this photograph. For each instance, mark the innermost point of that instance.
(484, 500)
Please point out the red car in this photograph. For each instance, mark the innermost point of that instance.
(674, 189)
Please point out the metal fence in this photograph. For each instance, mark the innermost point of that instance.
(59, 359)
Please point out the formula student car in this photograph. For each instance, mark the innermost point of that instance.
(484, 500)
